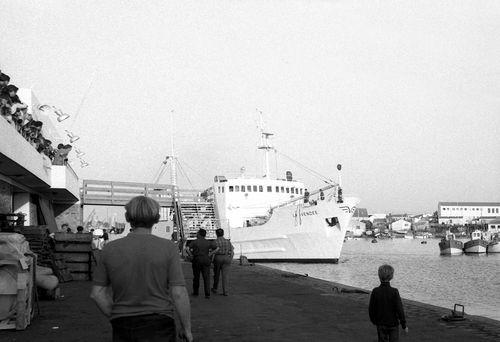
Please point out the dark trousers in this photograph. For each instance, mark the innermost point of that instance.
(145, 328)
(203, 267)
(387, 334)
(221, 265)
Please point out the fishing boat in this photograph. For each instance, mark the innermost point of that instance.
(277, 219)
(494, 245)
(477, 243)
(450, 246)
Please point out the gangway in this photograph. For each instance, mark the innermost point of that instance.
(193, 210)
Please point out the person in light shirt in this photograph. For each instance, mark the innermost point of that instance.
(145, 277)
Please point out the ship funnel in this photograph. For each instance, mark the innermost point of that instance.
(289, 177)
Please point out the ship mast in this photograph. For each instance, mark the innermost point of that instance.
(264, 145)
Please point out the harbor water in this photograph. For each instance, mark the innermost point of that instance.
(421, 274)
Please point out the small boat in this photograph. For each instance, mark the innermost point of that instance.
(477, 243)
(423, 242)
(450, 246)
(374, 241)
(494, 245)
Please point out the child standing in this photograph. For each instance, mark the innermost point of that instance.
(386, 309)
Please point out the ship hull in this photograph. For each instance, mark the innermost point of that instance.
(451, 247)
(493, 247)
(298, 233)
(475, 246)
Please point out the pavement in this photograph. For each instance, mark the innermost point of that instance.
(263, 305)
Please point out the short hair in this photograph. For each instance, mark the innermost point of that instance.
(385, 272)
(219, 232)
(79, 228)
(142, 211)
(64, 225)
(202, 232)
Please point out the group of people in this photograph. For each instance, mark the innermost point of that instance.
(203, 253)
(139, 284)
(16, 113)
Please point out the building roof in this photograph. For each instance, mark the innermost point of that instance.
(471, 204)
(360, 212)
(494, 222)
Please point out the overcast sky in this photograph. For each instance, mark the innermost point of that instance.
(404, 94)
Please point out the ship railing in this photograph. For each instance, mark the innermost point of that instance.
(301, 198)
(235, 175)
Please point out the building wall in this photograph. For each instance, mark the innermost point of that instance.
(5, 198)
(469, 211)
(71, 215)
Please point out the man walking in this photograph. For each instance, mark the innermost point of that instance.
(145, 276)
(222, 261)
(201, 251)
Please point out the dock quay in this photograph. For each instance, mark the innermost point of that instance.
(264, 304)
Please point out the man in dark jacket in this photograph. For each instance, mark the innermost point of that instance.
(201, 250)
(386, 309)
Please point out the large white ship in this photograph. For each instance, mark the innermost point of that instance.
(279, 220)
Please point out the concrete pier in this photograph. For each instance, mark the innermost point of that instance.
(263, 305)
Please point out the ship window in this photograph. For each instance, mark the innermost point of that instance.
(488, 210)
(465, 209)
(287, 190)
(282, 189)
(301, 191)
(292, 190)
(222, 189)
(497, 210)
(242, 188)
(237, 188)
(231, 188)
(255, 188)
(277, 189)
(261, 189)
(269, 189)
(249, 188)
(297, 191)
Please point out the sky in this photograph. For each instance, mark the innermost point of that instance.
(405, 95)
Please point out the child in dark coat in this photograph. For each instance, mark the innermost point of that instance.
(386, 309)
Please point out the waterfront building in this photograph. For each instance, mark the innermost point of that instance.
(380, 225)
(468, 212)
(400, 226)
(421, 225)
(357, 225)
(494, 226)
(32, 188)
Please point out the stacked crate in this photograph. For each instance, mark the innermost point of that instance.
(38, 239)
(23, 307)
(76, 251)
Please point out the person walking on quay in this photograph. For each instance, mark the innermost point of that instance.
(222, 261)
(385, 308)
(145, 277)
(201, 251)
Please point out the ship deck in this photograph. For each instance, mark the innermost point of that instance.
(263, 305)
